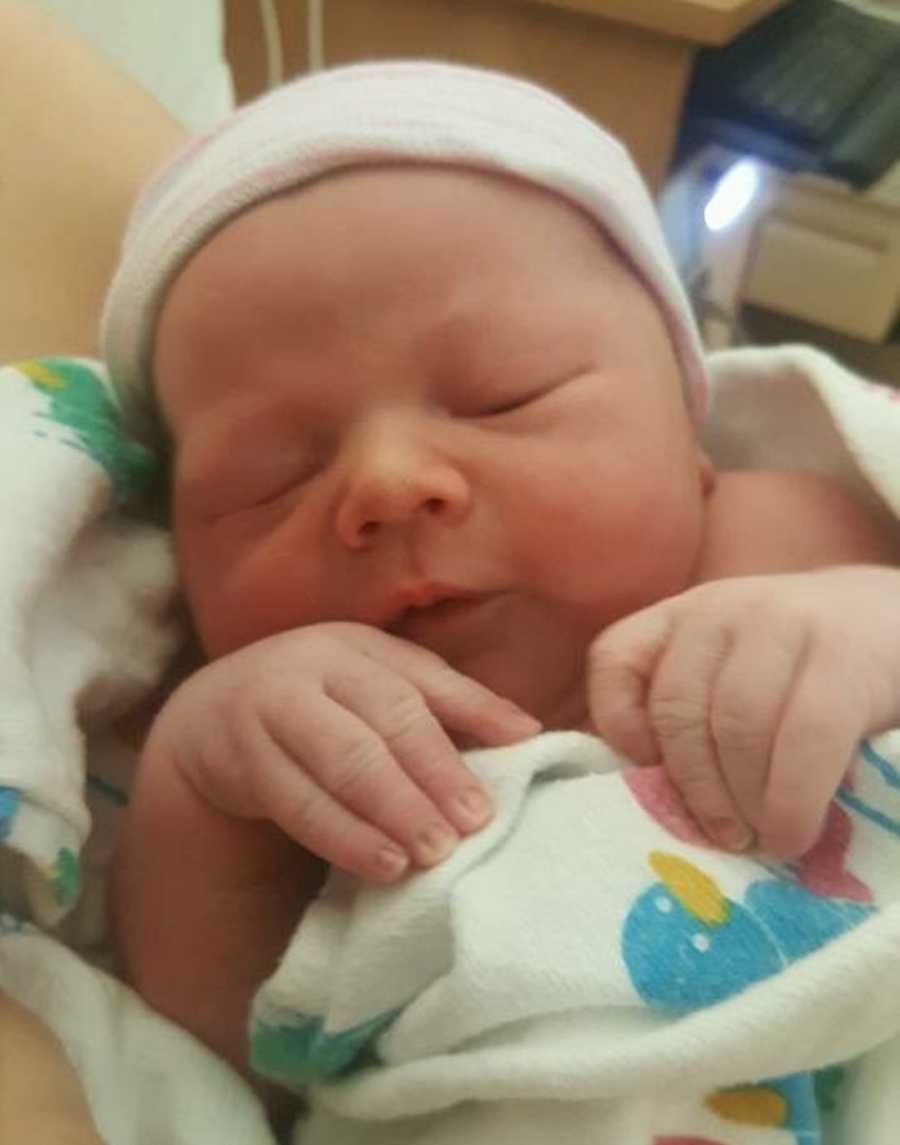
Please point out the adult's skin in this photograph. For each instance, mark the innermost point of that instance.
(78, 138)
(40, 1096)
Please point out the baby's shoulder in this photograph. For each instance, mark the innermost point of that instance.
(769, 521)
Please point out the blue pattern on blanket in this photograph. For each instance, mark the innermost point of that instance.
(687, 945)
(891, 777)
(9, 805)
(64, 873)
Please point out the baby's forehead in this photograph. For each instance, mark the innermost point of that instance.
(386, 185)
(429, 207)
(422, 222)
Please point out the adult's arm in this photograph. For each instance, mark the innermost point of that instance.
(78, 137)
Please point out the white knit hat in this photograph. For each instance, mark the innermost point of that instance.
(367, 114)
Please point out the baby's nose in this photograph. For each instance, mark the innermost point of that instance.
(395, 486)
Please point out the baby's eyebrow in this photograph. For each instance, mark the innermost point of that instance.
(256, 413)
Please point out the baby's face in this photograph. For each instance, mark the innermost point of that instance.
(435, 402)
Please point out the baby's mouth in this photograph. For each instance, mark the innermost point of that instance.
(432, 599)
(441, 616)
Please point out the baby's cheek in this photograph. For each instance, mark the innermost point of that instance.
(233, 596)
(223, 629)
(241, 612)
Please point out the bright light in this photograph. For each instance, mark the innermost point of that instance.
(732, 195)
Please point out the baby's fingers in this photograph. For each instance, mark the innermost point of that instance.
(317, 821)
(817, 737)
(621, 664)
(681, 706)
(371, 747)
(459, 703)
(651, 679)
(749, 697)
(411, 779)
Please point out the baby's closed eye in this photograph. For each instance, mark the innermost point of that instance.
(256, 473)
(493, 399)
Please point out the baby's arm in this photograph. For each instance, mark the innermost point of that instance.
(754, 690)
(329, 740)
(775, 522)
(41, 1099)
(204, 903)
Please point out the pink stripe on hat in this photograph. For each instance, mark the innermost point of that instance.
(373, 113)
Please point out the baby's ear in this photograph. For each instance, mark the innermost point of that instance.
(707, 472)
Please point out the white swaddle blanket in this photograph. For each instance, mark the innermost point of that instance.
(86, 628)
(583, 970)
(586, 966)
(586, 969)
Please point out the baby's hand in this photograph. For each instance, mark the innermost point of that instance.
(754, 692)
(335, 732)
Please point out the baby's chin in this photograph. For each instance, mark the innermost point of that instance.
(557, 696)
(565, 709)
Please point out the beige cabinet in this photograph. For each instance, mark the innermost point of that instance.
(831, 256)
(624, 62)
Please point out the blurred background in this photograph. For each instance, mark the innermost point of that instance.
(769, 130)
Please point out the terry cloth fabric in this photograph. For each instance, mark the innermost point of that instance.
(374, 114)
(147, 1082)
(86, 623)
(86, 629)
(586, 968)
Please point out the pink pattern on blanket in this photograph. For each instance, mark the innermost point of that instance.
(685, 1141)
(821, 870)
(662, 801)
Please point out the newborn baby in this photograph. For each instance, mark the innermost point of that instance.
(432, 394)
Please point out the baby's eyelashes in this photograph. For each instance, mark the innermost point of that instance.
(248, 488)
(524, 396)
(508, 405)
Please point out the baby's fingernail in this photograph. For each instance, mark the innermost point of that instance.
(474, 807)
(730, 834)
(433, 844)
(392, 862)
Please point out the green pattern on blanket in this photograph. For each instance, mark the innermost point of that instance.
(65, 877)
(79, 401)
(828, 1082)
(299, 1050)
